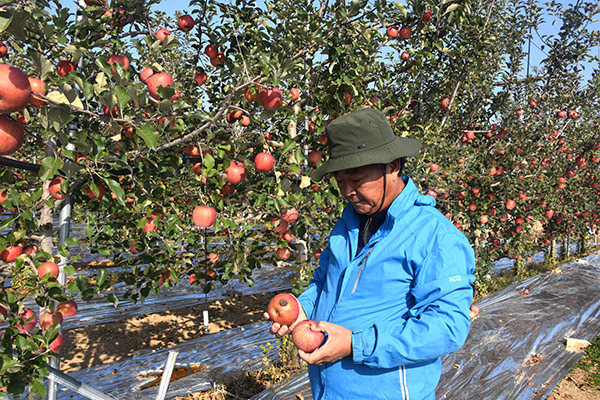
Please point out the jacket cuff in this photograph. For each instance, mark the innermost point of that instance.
(363, 344)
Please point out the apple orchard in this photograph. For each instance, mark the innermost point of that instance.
(185, 141)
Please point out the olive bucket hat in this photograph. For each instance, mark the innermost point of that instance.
(360, 138)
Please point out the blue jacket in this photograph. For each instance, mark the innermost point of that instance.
(405, 296)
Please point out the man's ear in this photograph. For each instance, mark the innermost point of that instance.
(394, 166)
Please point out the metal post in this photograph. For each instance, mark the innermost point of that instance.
(76, 386)
(166, 376)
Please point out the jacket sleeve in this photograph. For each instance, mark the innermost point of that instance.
(309, 297)
(438, 322)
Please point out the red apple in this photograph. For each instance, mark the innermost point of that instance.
(433, 167)
(211, 50)
(405, 56)
(156, 80)
(56, 344)
(284, 309)
(213, 258)
(30, 249)
(305, 337)
(11, 136)
(218, 59)
(295, 93)
(561, 114)
(405, 32)
(284, 253)
(204, 216)
(288, 236)
(315, 157)
(54, 189)
(37, 86)
(193, 278)
(10, 253)
(290, 215)
(28, 321)
(236, 172)
(270, 99)
(345, 101)
(3, 50)
(392, 32)
(185, 23)
(101, 191)
(445, 103)
(49, 318)
(510, 204)
(146, 73)
(549, 213)
(48, 267)
(162, 34)
(15, 89)
(150, 225)
(118, 58)
(200, 77)
(427, 16)
(263, 162)
(3, 313)
(279, 225)
(67, 308)
(64, 67)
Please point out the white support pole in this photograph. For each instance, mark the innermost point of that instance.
(166, 376)
(76, 386)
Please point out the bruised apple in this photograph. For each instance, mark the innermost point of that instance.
(283, 309)
(305, 338)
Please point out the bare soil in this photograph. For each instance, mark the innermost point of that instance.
(93, 345)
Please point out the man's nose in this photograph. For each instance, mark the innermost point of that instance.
(346, 189)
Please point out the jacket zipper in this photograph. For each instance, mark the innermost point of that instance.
(362, 264)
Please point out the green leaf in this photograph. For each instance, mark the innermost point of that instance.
(122, 96)
(101, 277)
(209, 161)
(7, 363)
(401, 7)
(150, 135)
(113, 299)
(37, 386)
(50, 166)
(5, 20)
(451, 8)
(116, 188)
(69, 269)
(6, 223)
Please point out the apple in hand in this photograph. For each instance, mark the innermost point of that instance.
(284, 309)
(305, 338)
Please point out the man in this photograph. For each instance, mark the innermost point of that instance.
(393, 289)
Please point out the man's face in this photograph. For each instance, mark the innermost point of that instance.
(362, 187)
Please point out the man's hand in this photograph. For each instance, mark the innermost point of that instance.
(280, 330)
(337, 346)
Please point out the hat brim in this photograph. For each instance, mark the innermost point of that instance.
(400, 147)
